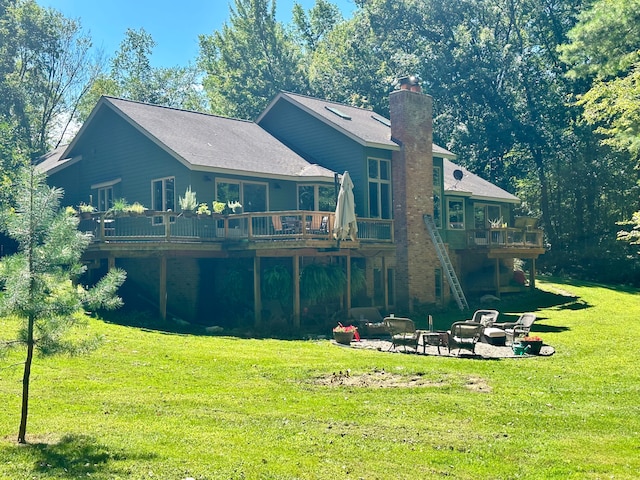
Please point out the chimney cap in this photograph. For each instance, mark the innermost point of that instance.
(410, 82)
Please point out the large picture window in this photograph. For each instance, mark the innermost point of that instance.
(251, 195)
(455, 213)
(379, 188)
(317, 198)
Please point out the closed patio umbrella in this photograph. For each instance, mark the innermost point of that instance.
(345, 224)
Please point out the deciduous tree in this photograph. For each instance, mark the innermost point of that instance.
(249, 61)
(133, 77)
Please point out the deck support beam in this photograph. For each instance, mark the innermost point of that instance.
(532, 274)
(497, 277)
(162, 288)
(257, 298)
(296, 291)
(348, 286)
(385, 281)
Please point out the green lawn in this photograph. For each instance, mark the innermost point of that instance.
(150, 404)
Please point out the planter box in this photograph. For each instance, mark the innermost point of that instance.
(524, 347)
(343, 338)
(532, 348)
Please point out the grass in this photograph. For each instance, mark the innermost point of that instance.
(151, 404)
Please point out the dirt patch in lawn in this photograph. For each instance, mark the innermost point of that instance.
(384, 379)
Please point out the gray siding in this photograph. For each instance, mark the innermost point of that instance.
(321, 144)
(113, 149)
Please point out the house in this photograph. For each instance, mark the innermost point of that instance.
(423, 221)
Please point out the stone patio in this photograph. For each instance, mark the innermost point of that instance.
(483, 350)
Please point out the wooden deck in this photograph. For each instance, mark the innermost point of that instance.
(285, 228)
(508, 242)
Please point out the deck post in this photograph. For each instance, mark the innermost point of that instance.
(296, 291)
(257, 298)
(498, 277)
(348, 289)
(162, 300)
(532, 274)
(385, 282)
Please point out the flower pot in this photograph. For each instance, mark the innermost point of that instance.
(532, 347)
(343, 338)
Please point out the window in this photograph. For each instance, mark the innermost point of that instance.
(379, 188)
(306, 197)
(254, 197)
(227, 191)
(320, 198)
(455, 214)
(486, 215)
(437, 273)
(437, 197)
(105, 194)
(251, 195)
(163, 196)
(105, 199)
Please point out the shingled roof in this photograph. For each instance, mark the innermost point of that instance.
(472, 185)
(209, 142)
(362, 125)
(370, 129)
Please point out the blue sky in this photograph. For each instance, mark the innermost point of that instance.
(174, 25)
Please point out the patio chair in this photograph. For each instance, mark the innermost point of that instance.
(490, 334)
(276, 221)
(318, 223)
(281, 225)
(464, 336)
(403, 332)
(486, 317)
(520, 327)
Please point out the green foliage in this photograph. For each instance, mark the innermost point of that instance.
(633, 235)
(358, 280)
(604, 48)
(119, 206)
(203, 209)
(84, 208)
(37, 282)
(46, 67)
(276, 283)
(322, 282)
(614, 106)
(132, 77)
(188, 202)
(135, 207)
(311, 28)
(604, 42)
(249, 61)
(282, 409)
(218, 207)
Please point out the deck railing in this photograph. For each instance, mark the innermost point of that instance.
(506, 237)
(181, 227)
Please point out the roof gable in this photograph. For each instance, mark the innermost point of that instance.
(472, 185)
(209, 142)
(360, 124)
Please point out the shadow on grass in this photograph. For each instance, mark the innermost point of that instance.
(73, 456)
(510, 308)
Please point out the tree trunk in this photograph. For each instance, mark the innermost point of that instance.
(25, 384)
(544, 196)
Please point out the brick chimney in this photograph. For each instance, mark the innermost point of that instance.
(411, 115)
